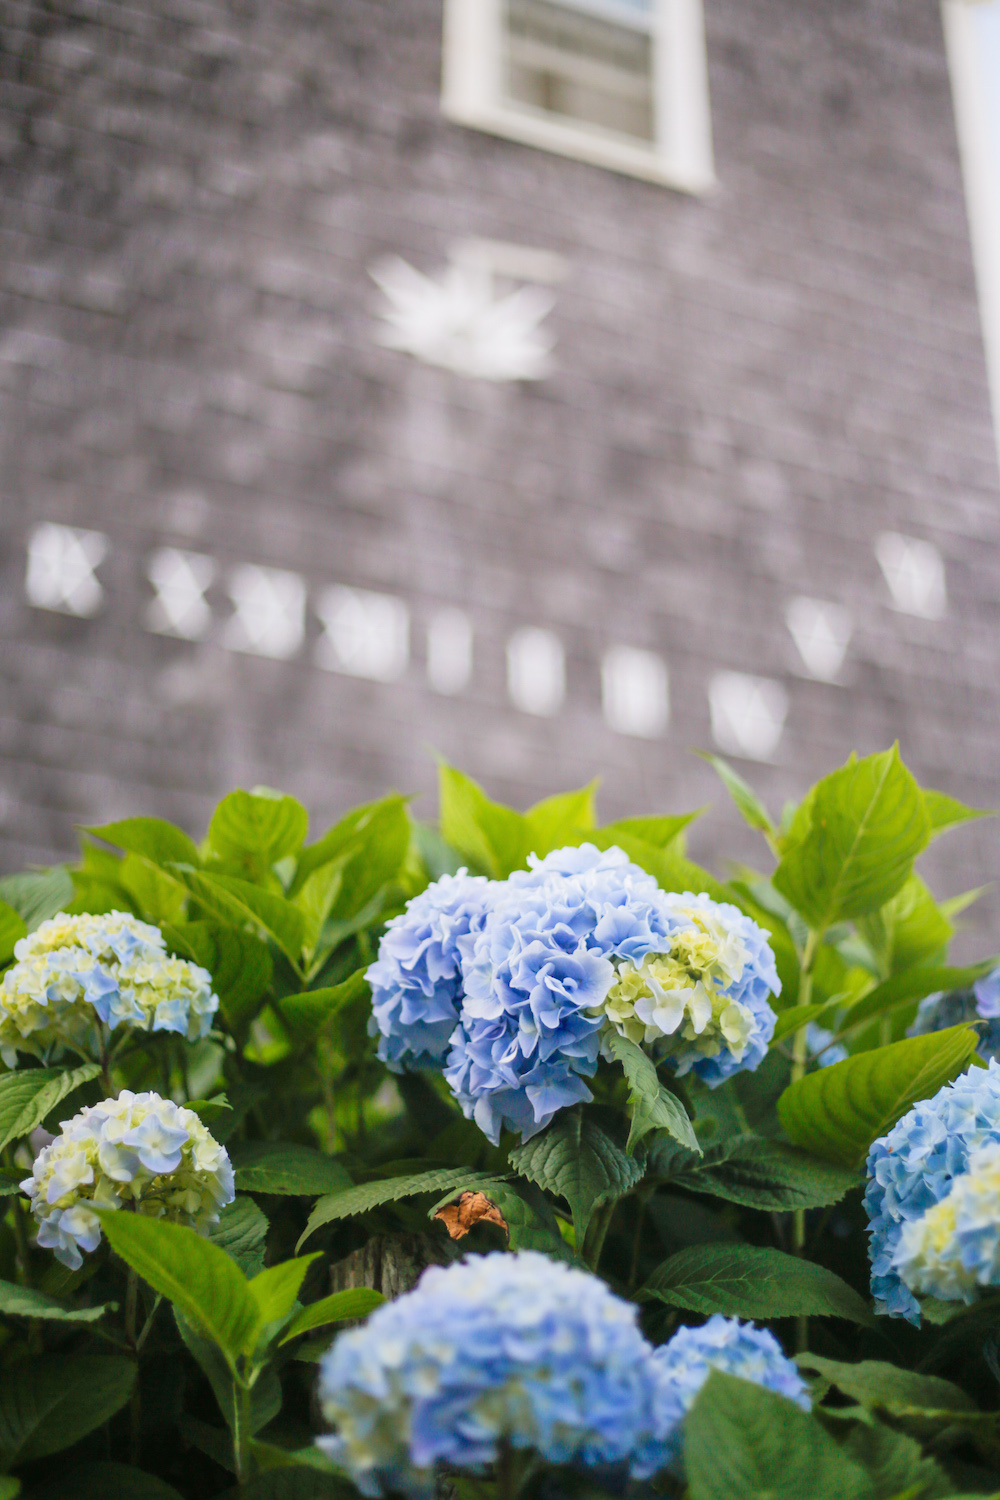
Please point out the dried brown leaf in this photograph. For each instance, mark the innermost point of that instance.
(467, 1210)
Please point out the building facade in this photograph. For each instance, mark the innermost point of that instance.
(632, 401)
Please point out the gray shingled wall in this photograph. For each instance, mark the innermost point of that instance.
(748, 388)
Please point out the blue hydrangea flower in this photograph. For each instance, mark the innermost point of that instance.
(682, 1365)
(416, 980)
(980, 1003)
(987, 993)
(75, 970)
(703, 1001)
(821, 1045)
(500, 1348)
(513, 986)
(914, 1167)
(138, 1151)
(954, 1249)
(536, 976)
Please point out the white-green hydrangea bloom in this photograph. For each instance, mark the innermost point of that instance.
(76, 971)
(703, 1002)
(954, 1248)
(138, 1151)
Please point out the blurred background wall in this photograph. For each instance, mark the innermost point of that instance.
(336, 433)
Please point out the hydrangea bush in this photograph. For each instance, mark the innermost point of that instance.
(580, 1138)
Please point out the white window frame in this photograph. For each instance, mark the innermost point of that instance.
(982, 180)
(472, 93)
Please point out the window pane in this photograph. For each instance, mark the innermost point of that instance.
(579, 65)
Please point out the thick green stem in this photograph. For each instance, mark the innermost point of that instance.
(593, 1240)
(135, 1402)
(800, 1053)
(642, 1198)
(242, 1430)
(19, 1224)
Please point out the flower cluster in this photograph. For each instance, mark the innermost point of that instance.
(682, 1366)
(531, 973)
(524, 1351)
(980, 1003)
(501, 1348)
(139, 1151)
(416, 981)
(706, 999)
(75, 971)
(924, 1219)
(955, 1247)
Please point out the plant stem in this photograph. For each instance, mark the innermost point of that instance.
(135, 1401)
(593, 1240)
(19, 1224)
(105, 1064)
(241, 1428)
(800, 1053)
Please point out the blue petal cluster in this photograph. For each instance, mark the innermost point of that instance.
(501, 1348)
(416, 980)
(980, 1003)
(505, 985)
(536, 975)
(758, 982)
(682, 1365)
(914, 1167)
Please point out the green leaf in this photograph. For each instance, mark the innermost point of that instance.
(575, 1158)
(751, 1281)
(895, 1466)
(55, 1401)
(658, 831)
(12, 929)
(151, 838)
(105, 1481)
(239, 963)
(10, 1488)
(791, 1020)
(241, 1233)
(210, 1110)
(368, 1195)
(29, 1096)
(909, 930)
(747, 802)
(24, 1302)
(947, 812)
(239, 901)
(37, 895)
(192, 1273)
(305, 1015)
(927, 979)
(742, 1441)
(257, 828)
(653, 1106)
(838, 1111)
(560, 820)
(493, 838)
(282, 1167)
(294, 1483)
(276, 1289)
(265, 1396)
(339, 1307)
(854, 840)
(876, 1385)
(369, 844)
(769, 1175)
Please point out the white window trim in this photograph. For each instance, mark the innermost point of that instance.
(982, 185)
(681, 157)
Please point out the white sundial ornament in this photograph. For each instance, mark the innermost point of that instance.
(462, 322)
